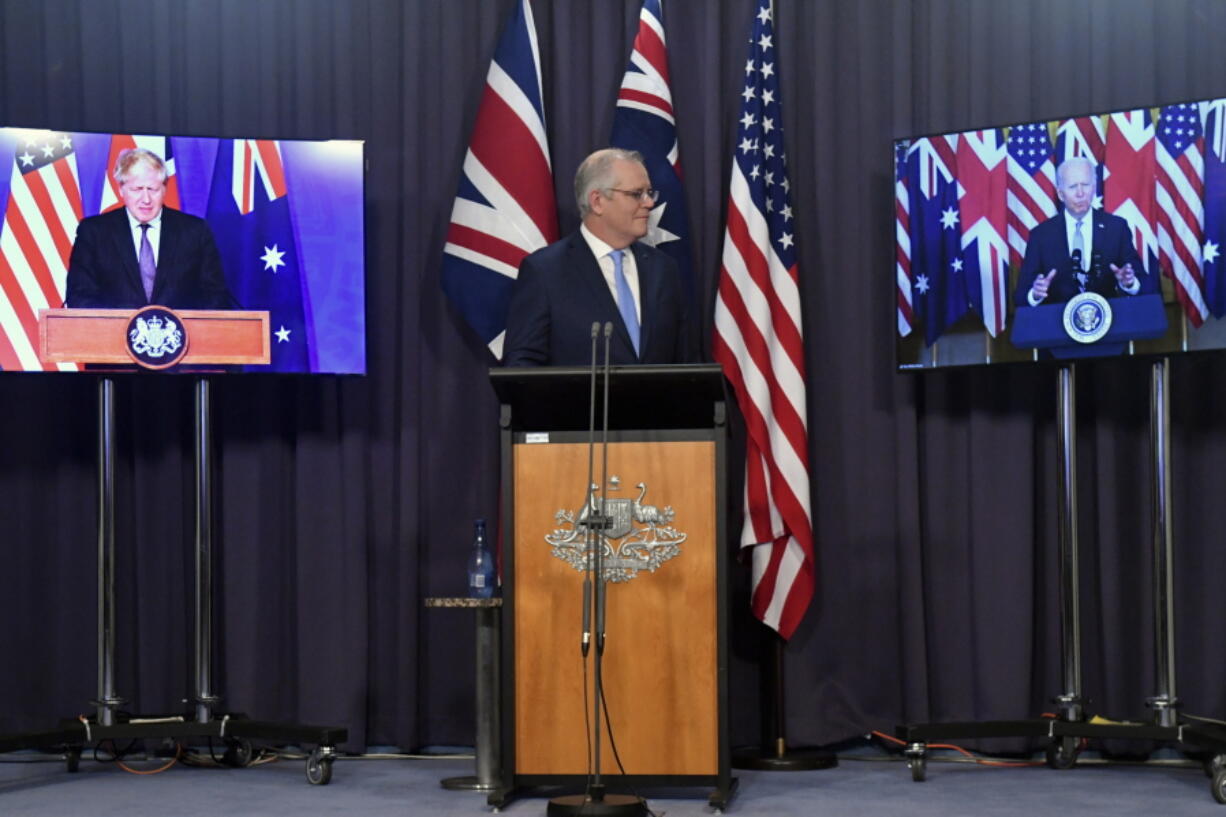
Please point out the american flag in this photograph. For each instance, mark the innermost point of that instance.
(644, 121)
(1215, 206)
(902, 240)
(1129, 182)
(504, 208)
(1181, 216)
(758, 339)
(982, 179)
(159, 145)
(1032, 184)
(40, 224)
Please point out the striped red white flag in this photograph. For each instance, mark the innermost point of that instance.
(758, 340)
(902, 240)
(40, 225)
(1180, 192)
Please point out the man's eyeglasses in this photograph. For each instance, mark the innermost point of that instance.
(641, 195)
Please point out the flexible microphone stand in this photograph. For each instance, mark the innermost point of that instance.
(596, 803)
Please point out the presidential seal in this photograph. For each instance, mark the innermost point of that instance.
(156, 337)
(1087, 317)
(635, 536)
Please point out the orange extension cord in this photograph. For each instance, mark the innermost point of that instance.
(982, 761)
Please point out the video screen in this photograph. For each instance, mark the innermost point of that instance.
(1087, 236)
(232, 255)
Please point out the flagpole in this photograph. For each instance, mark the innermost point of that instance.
(774, 755)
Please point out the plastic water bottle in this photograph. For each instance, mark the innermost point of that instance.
(481, 579)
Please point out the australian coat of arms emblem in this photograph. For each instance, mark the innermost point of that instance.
(637, 536)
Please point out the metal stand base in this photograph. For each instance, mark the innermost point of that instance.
(468, 782)
(621, 805)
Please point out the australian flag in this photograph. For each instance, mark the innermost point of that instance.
(250, 216)
(939, 290)
(1215, 206)
(644, 121)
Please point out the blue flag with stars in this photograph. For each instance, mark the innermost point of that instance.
(1215, 207)
(250, 217)
(939, 291)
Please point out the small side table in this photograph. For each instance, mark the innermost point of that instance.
(488, 748)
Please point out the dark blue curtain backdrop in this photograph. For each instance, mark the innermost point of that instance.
(343, 502)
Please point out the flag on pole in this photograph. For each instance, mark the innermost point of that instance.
(249, 214)
(758, 340)
(982, 179)
(902, 240)
(1032, 184)
(159, 145)
(1180, 188)
(504, 208)
(1129, 185)
(40, 225)
(644, 121)
(939, 288)
(1215, 207)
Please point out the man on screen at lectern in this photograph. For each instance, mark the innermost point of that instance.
(600, 273)
(1080, 249)
(145, 253)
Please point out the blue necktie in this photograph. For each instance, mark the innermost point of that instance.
(148, 269)
(625, 300)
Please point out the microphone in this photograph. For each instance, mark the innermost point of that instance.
(585, 641)
(1075, 260)
(604, 481)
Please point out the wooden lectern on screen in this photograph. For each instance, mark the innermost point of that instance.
(228, 337)
(664, 664)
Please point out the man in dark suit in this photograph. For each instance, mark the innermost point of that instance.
(600, 273)
(1080, 249)
(145, 253)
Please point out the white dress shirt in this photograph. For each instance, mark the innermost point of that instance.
(602, 252)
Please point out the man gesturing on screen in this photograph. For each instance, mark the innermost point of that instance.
(1080, 249)
(145, 253)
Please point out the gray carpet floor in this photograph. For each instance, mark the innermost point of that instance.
(861, 785)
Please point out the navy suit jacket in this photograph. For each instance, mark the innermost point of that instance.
(103, 271)
(561, 291)
(1048, 249)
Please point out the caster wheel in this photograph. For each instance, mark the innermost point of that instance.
(917, 761)
(238, 753)
(1062, 752)
(1219, 786)
(72, 760)
(319, 768)
(1214, 764)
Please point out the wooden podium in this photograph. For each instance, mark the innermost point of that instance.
(220, 337)
(665, 662)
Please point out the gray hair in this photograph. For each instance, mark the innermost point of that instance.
(1081, 160)
(596, 173)
(130, 158)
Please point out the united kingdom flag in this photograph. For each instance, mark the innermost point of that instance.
(505, 207)
(1129, 183)
(644, 121)
(1032, 184)
(981, 205)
